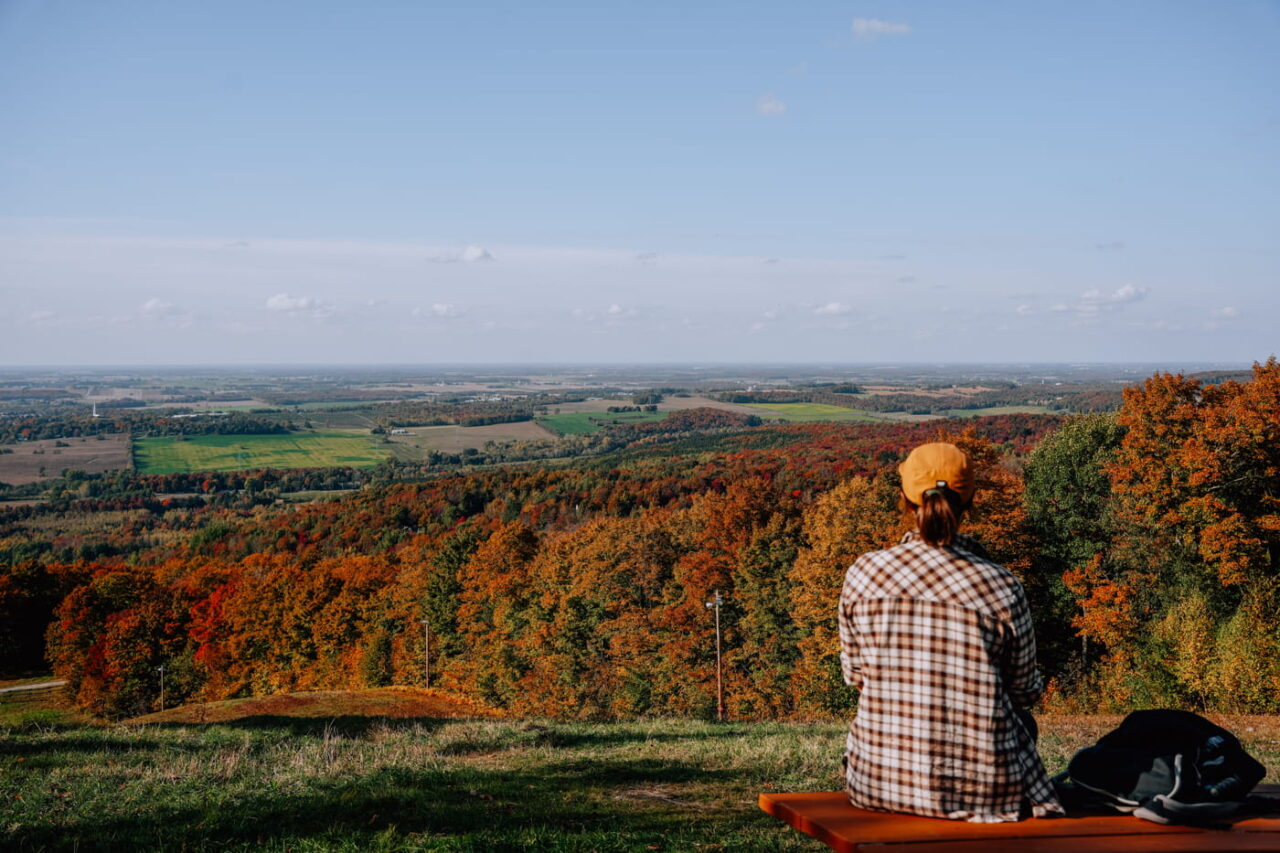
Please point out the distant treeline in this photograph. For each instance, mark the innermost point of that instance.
(1074, 399)
(150, 423)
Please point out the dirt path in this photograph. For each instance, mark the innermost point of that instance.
(44, 685)
(375, 702)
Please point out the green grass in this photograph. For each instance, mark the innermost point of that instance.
(275, 783)
(809, 412)
(36, 708)
(584, 423)
(167, 455)
(998, 410)
(358, 783)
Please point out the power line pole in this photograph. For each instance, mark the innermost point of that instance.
(715, 604)
(426, 652)
(160, 669)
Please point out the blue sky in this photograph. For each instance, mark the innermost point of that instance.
(186, 182)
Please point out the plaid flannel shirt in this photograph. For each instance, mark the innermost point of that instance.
(940, 643)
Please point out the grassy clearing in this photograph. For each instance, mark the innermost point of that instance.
(29, 709)
(278, 783)
(585, 423)
(242, 452)
(809, 412)
(998, 410)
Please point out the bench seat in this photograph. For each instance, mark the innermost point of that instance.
(828, 817)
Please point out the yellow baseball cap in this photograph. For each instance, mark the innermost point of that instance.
(936, 465)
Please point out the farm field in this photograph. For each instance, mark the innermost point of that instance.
(587, 422)
(451, 438)
(244, 405)
(998, 410)
(32, 461)
(286, 778)
(167, 455)
(809, 412)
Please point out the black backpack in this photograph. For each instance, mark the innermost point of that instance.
(1162, 766)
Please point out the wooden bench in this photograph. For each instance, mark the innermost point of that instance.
(828, 817)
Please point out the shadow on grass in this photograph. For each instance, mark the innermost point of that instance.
(347, 726)
(88, 743)
(476, 809)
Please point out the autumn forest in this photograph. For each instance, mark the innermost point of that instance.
(1148, 540)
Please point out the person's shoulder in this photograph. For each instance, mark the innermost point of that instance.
(972, 546)
(994, 573)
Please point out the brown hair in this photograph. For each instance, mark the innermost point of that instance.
(937, 518)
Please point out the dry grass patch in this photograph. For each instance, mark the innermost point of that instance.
(32, 461)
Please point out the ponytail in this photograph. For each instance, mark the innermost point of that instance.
(937, 517)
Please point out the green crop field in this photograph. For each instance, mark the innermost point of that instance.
(168, 455)
(807, 412)
(584, 423)
(998, 410)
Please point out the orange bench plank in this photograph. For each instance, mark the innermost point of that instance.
(829, 817)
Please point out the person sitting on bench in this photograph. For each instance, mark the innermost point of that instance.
(938, 639)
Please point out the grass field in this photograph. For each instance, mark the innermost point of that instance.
(241, 452)
(998, 410)
(809, 412)
(335, 778)
(32, 709)
(584, 423)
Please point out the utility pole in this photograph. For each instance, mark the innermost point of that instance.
(160, 669)
(715, 604)
(426, 652)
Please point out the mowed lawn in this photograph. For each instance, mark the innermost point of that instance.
(168, 455)
(434, 783)
(809, 412)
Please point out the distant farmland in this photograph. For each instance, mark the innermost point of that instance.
(584, 423)
(451, 438)
(806, 412)
(998, 410)
(31, 461)
(241, 452)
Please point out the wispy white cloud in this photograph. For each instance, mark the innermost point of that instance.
(1095, 301)
(158, 307)
(440, 310)
(467, 255)
(285, 302)
(300, 306)
(1227, 313)
(1092, 303)
(833, 309)
(161, 311)
(770, 105)
(872, 28)
(471, 254)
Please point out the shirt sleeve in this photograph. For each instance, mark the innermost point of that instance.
(1024, 681)
(850, 653)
